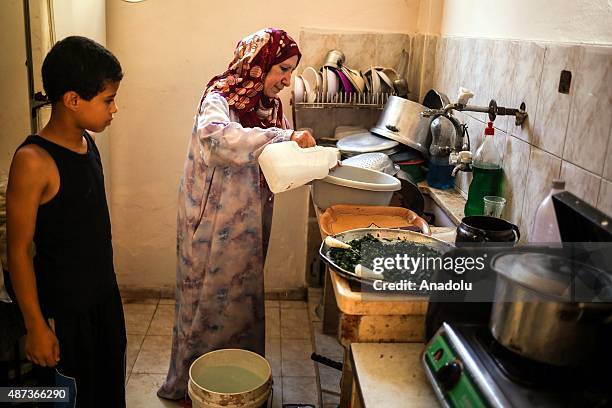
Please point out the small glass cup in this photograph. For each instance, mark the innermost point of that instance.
(493, 206)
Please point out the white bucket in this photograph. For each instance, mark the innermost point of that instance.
(230, 378)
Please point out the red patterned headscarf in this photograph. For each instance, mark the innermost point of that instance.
(243, 83)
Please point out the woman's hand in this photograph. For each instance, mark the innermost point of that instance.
(42, 347)
(303, 138)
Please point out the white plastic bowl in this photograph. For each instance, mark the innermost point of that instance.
(354, 185)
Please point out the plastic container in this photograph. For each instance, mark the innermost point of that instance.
(230, 378)
(414, 169)
(545, 226)
(374, 161)
(487, 174)
(287, 166)
(354, 185)
(440, 173)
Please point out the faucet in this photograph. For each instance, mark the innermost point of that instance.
(458, 151)
(462, 159)
(493, 110)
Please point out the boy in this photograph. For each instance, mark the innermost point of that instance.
(68, 293)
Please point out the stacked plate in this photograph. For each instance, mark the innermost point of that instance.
(323, 86)
(366, 143)
(380, 79)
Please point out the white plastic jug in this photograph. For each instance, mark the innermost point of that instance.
(545, 226)
(287, 166)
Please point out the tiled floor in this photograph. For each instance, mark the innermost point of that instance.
(289, 343)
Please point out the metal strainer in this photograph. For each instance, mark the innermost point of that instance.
(373, 161)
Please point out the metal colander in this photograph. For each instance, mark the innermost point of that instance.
(373, 161)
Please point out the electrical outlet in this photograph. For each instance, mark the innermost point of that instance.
(565, 82)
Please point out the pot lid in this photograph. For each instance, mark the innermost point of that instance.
(365, 143)
(544, 273)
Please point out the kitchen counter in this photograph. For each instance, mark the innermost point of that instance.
(358, 318)
(389, 375)
(451, 201)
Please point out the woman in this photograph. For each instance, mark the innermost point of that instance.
(225, 206)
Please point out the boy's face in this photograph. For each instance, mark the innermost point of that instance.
(97, 113)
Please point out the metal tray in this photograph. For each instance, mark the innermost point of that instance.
(389, 233)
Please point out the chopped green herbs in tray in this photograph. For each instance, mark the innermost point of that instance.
(411, 261)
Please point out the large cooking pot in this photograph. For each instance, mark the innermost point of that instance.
(535, 315)
(401, 120)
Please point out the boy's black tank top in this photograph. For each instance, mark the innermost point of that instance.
(73, 261)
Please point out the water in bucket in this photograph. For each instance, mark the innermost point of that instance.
(287, 166)
(228, 379)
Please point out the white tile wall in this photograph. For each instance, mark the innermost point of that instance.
(565, 135)
(516, 165)
(607, 173)
(553, 107)
(604, 201)
(542, 170)
(529, 62)
(581, 182)
(590, 118)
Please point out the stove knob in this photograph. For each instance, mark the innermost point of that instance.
(449, 375)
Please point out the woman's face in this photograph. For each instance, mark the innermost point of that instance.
(279, 76)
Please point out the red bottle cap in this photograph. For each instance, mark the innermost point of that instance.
(489, 129)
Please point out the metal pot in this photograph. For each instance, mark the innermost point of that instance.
(534, 315)
(401, 120)
(481, 228)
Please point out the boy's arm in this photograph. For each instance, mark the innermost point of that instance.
(27, 182)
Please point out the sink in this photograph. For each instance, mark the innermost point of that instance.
(441, 219)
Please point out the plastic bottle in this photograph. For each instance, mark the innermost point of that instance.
(439, 174)
(440, 170)
(287, 166)
(487, 174)
(545, 227)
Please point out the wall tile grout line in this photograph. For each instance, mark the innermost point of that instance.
(558, 157)
(520, 218)
(571, 107)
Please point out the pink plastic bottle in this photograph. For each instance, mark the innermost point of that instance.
(545, 227)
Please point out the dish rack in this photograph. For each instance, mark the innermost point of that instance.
(325, 111)
(345, 100)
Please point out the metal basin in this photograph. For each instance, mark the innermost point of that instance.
(380, 233)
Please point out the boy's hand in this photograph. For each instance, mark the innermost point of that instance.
(303, 138)
(42, 347)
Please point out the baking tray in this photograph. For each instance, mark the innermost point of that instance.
(341, 217)
(389, 233)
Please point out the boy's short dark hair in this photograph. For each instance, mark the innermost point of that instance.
(81, 65)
